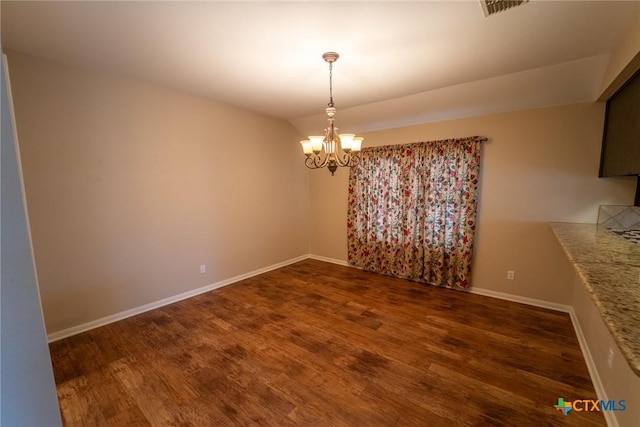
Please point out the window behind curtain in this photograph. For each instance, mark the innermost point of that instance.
(412, 210)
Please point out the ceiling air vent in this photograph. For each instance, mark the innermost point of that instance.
(490, 7)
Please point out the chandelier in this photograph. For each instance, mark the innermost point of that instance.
(331, 150)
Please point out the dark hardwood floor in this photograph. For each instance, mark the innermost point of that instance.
(317, 344)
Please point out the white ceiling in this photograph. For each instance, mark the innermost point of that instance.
(400, 62)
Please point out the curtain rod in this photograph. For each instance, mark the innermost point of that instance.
(480, 138)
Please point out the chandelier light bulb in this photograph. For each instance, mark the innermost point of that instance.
(306, 147)
(346, 141)
(316, 143)
(356, 145)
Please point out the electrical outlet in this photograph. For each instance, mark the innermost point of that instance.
(610, 359)
(203, 269)
(511, 275)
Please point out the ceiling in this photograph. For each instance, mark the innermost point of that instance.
(400, 62)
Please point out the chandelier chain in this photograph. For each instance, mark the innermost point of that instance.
(330, 84)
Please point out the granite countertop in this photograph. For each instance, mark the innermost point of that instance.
(609, 266)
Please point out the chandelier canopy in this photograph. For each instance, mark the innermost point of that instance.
(331, 150)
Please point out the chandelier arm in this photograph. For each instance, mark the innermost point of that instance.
(310, 162)
(317, 161)
(348, 159)
(342, 158)
(325, 160)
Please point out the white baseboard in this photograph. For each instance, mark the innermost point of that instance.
(609, 416)
(55, 336)
(522, 300)
(331, 260)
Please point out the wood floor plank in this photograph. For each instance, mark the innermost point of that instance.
(315, 344)
(77, 405)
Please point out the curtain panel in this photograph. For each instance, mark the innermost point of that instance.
(412, 210)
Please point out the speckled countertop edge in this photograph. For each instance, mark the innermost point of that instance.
(609, 266)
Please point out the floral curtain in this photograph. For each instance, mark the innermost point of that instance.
(412, 210)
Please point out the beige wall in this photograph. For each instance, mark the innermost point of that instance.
(130, 187)
(538, 166)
